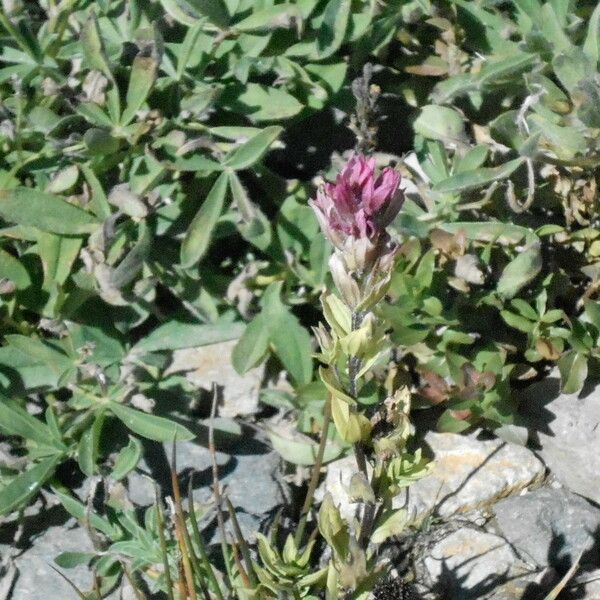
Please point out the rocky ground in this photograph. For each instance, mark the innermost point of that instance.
(497, 519)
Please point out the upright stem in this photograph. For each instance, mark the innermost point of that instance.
(359, 452)
(316, 471)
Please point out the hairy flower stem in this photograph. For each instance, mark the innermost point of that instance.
(316, 471)
(359, 452)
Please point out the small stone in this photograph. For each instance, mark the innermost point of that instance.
(550, 527)
(212, 363)
(468, 474)
(468, 564)
(566, 431)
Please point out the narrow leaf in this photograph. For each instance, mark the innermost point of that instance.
(253, 150)
(176, 334)
(25, 485)
(26, 206)
(197, 237)
(150, 426)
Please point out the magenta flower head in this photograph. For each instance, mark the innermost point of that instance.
(360, 204)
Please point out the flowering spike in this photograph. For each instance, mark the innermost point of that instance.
(359, 204)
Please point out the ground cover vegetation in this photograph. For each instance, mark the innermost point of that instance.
(157, 163)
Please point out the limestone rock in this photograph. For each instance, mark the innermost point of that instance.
(551, 527)
(468, 564)
(566, 431)
(468, 474)
(207, 364)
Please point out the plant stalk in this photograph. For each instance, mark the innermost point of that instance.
(316, 471)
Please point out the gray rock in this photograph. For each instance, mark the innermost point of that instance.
(212, 363)
(468, 564)
(566, 430)
(468, 474)
(55, 533)
(585, 585)
(551, 527)
(248, 472)
(471, 473)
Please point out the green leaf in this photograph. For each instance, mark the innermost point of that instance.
(291, 342)
(176, 334)
(254, 225)
(69, 560)
(93, 48)
(26, 485)
(332, 31)
(127, 459)
(12, 269)
(450, 424)
(15, 420)
(525, 309)
(252, 346)
(264, 103)
(40, 352)
(520, 271)
(63, 180)
(439, 123)
(298, 452)
(591, 45)
(253, 150)
(58, 253)
(393, 523)
(26, 206)
(573, 367)
(180, 11)
(214, 10)
(141, 80)
(592, 310)
(87, 451)
(494, 72)
(478, 177)
(517, 321)
(197, 237)
(128, 269)
(571, 67)
(99, 142)
(150, 426)
(473, 159)
(80, 512)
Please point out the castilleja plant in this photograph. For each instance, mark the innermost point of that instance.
(353, 213)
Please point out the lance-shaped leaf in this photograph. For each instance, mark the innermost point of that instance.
(150, 426)
(333, 27)
(175, 335)
(127, 459)
(25, 206)
(12, 269)
(520, 271)
(25, 485)
(197, 237)
(141, 80)
(252, 150)
(478, 177)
